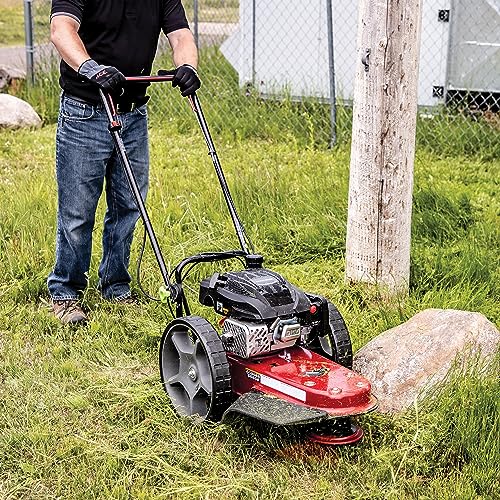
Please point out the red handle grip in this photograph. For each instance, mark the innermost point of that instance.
(151, 79)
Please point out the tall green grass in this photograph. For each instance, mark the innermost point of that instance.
(82, 411)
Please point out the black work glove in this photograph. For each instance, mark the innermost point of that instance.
(108, 78)
(186, 78)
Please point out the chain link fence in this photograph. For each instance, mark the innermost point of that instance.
(287, 69)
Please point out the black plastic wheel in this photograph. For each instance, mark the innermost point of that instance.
(334, 342)
(194, 368)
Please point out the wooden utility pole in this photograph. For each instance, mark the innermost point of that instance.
(383, 144)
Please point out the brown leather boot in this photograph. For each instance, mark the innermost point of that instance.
(69, 312)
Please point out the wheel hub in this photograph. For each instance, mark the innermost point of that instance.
(192, 374)
(194, 368)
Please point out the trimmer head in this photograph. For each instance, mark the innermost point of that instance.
(339, 432)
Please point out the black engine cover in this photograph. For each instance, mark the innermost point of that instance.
(254, 295)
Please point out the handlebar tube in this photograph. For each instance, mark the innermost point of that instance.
(114, 128)
(245, 243)
(176, 292)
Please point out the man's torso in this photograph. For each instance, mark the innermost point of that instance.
(120, 33)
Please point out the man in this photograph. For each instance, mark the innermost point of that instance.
(100, 41)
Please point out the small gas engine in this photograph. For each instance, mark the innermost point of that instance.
(262, 311)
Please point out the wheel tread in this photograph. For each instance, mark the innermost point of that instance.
(219, 366)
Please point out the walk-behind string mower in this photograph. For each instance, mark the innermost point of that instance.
(282, 355)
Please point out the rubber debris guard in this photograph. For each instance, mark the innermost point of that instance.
(273, 410)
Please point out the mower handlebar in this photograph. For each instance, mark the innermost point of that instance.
(115, 126)
(168, 77)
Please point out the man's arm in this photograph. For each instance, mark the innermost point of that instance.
(64, 36)
(185, 55)
(184, 49)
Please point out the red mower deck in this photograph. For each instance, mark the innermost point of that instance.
(304, 378)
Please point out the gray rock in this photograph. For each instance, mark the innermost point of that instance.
(8, 75)
(405, 361)
(16, 113)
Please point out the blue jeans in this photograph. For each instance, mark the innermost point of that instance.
(85, 158)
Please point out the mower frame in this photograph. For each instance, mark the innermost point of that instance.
(297, 385)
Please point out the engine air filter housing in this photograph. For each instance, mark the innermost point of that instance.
(253, 295)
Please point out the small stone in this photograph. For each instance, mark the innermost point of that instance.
(10, 77)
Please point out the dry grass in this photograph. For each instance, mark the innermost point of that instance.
(11, 3)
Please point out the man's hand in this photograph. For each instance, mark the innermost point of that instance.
(108, 78)
(186, 78)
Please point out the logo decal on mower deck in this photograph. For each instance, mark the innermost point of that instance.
(253, 375)
(277, 385)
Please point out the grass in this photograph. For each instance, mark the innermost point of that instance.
(82, 412)
(11, 22)
(220, 11)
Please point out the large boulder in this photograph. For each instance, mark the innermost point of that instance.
(404, 361)
(16, 113)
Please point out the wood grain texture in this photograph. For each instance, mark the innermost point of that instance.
(383, 144)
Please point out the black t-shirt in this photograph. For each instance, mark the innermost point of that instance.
(120, 33)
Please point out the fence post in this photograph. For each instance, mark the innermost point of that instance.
(29, 44)
(383, 144)
(254, 43)
(331, 74)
